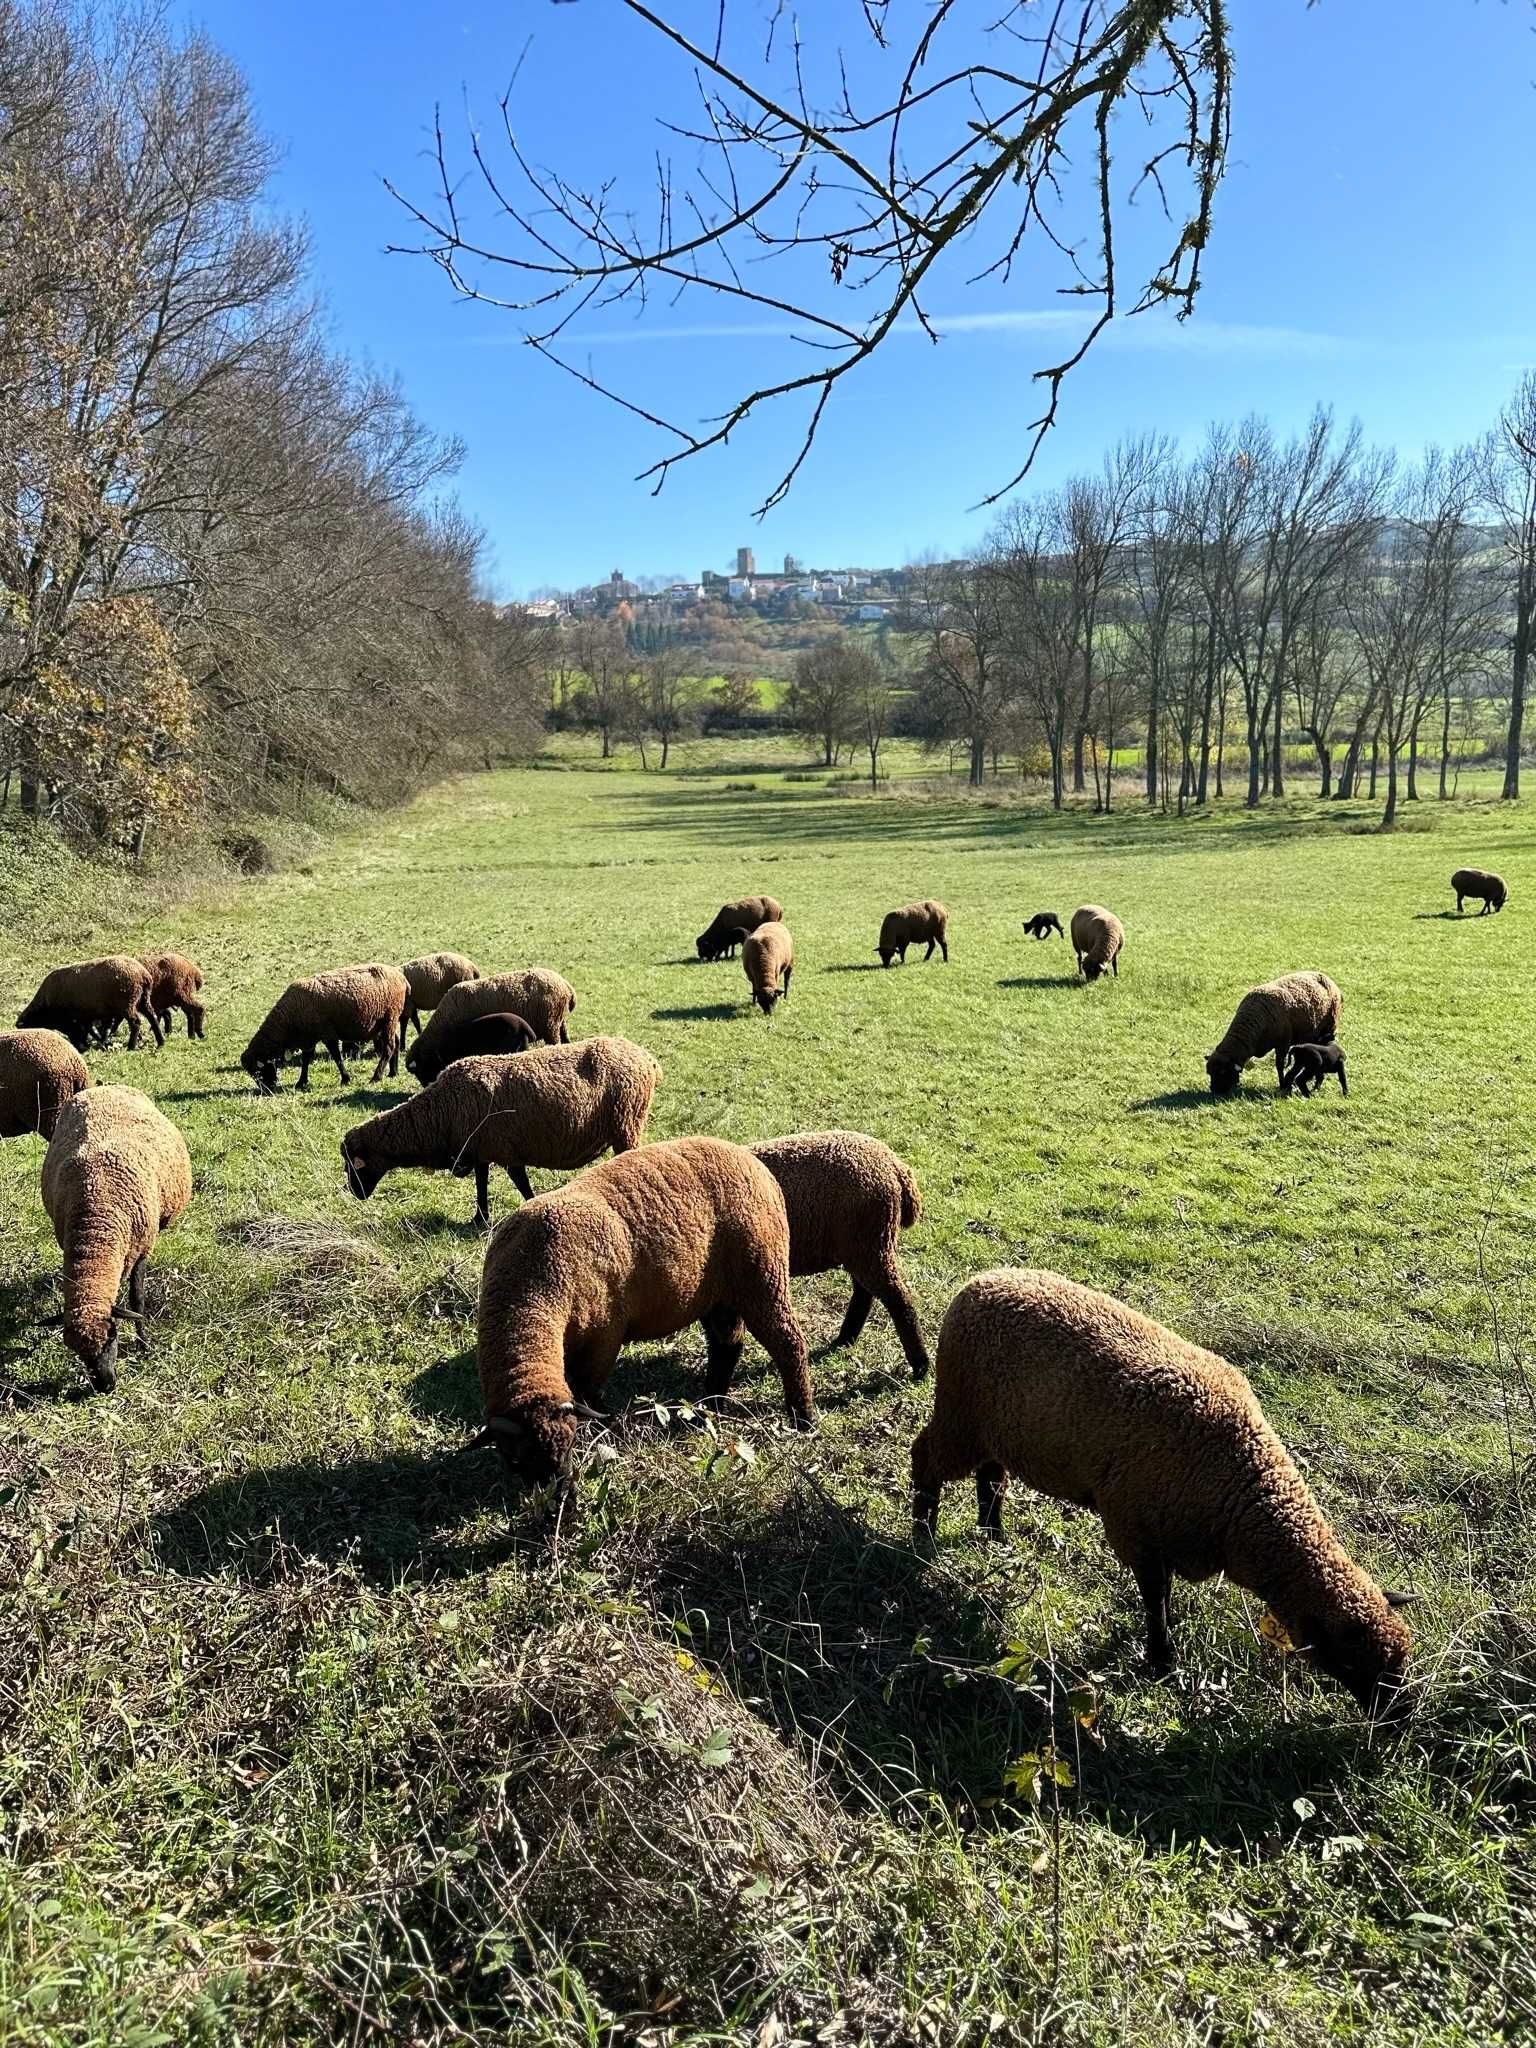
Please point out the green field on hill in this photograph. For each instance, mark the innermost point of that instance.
(310, 1731)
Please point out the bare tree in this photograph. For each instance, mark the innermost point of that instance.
(823, 699)
(605, 695)
(670, 698)
(966, 154)
(1507, 476)
(963, 608)
(1040, 621)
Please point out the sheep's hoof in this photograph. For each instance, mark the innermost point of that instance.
(802, 1419)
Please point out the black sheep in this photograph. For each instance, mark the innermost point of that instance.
(1308, 1066)
(1042, 924)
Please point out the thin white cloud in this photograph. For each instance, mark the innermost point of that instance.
(1153, 331)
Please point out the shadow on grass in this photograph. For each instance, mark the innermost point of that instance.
(701, 1013)
(1184, 1098)
(888, 1665)
(1067, 980)
(853, 967)
(394, 1517)
(1446, 917)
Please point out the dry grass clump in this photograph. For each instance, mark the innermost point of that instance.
(316, 1267)
(650, 1825)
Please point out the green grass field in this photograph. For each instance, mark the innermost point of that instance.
(301, 1738)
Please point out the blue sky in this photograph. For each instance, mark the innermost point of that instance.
(1374, 249)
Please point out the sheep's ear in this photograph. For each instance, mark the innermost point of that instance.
(51, 1322)
(127, 1315)
(1400, 1599)
(505, 1425)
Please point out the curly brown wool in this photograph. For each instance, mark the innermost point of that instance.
(1085, 1400)
(849, 1198)
(560, 1106)
(692, 1230)
(538, 994)
(350, 1004)
(1296, 1009)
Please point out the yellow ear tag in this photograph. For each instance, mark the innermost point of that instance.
(1273, 1630)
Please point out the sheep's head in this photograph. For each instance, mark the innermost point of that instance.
(363, 1171)
(537, 1441)
(1224, 1075)
(196, 1015)
(709, 946)
(887, 954)
(1092, 969)
(262, 1071)
(93, 1340)
(765, 998)
(1364, 1652)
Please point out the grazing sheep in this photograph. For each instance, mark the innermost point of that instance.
(1097, 936)
(174, 982)
(562, 1106)
(848, 1198)
(500, 1031)
(109, 992)
(429, 980)
(39, 1072)
(910, 927)
(1295, 1009)
(1042, 924)
(732, 922)
(537, 994)
(350, 1004)
(1090, 1402)
(1309, 1066)
(115, 1175)
(1481, 887)
(637, 1248)
(768, 960)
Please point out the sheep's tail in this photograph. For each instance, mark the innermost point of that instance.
(911, 1200)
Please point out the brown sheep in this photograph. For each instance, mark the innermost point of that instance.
(1295, 1009)
(562, 1107)
(1097, 936)
(174, 983)
(768, 961)
(1479, 886)
(637, 1248)
(911, 927)
(107, 992)
(429, 980)
(733, 921)
(39, 1072)
(350, 1004)
(1089, 1402)
(848, 1198)
(116, 1173)
(538, 994)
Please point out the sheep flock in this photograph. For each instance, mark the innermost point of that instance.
(1038, 1379)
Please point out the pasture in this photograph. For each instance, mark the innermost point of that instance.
(302, 1739)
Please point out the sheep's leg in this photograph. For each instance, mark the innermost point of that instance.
(724, 1337)
(1282, 1054)
(134, 1034)
(855, 1316)
(934, 1464)
(944, 949)
(565, 1033)
(929, 954)
(482, 1195)
(1343, 1084)
(1114, 966)
(771, 1320)
(788, 975)
(153, 1021)
(333, 1047)
(890, 1290)
(306, 1054)
(1154, 1582)
(137, 1280)
(991, 1487)
(517, 1173)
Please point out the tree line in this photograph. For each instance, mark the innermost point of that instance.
(1264, 592)
(228, 572)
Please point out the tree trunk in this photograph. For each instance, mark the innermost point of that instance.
(1277, 773)
(1445, 740)
(28, 794)
(1152, 736)
(666, 747)
(874, 756)
(607, 743)
(1375, 757)
(1413, 763)
(978, 760)
(1389, 815)
(1256, 760)
(1525, 632)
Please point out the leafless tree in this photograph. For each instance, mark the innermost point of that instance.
(824, 698)
(1507, 478)
(988, 129)
(963, 607)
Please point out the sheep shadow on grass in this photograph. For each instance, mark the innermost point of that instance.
(1067, 980)
(853, 967)
(701, 1013)
(905, 1675)
(1183, 1098)
(393, 1517)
